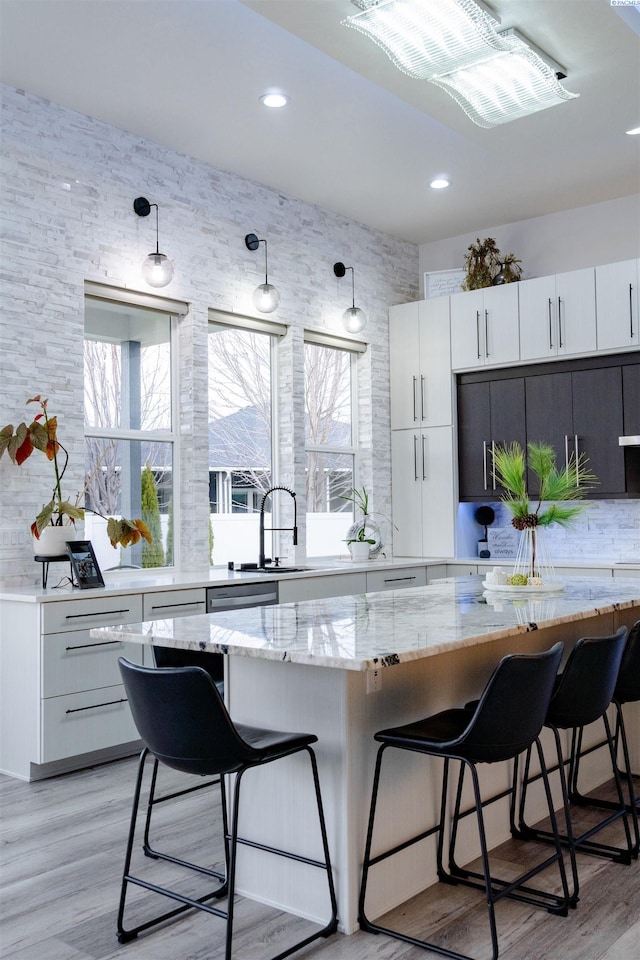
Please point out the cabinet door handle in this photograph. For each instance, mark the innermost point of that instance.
(576, 452)
(421, 397)
(478, 331)
(566, 452)
(631, 310)
(415, 414)
(493, 464)
(424, 475)
(486, 333)
(550, 327)
(96, 613)
(484, 462)
(415, 457)
(172, 606)
(90, 646)
(560, 343)
(96, 706)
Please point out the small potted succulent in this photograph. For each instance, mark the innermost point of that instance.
(364, 533)
(59, 515)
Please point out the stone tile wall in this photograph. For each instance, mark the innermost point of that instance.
(66, 215)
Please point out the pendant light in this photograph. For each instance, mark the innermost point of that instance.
(353, 319)
(157, 269)
(265, 297)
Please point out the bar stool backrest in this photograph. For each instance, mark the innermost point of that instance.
(177, 657)
(628, 685)
(182, 719)
(512, 709)
(585, 688)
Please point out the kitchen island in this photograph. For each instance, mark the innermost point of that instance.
(345, 667)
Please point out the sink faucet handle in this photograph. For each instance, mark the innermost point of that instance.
(276, 561)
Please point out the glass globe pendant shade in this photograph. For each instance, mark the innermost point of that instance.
(354, 319)
(266, 298)
(157, 270)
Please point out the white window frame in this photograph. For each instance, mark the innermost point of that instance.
(175, 309)
(355, 348)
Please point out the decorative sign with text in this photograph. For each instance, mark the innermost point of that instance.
(441, 283)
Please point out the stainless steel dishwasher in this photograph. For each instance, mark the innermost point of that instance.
(231, 596)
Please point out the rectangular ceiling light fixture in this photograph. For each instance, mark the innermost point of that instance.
(495, 76)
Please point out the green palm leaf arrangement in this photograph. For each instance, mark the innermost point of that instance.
(554, 499)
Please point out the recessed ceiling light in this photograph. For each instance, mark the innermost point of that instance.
(274, 100)
(634, 131)
(439, 183)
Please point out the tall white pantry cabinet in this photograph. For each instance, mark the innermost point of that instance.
(422, 433)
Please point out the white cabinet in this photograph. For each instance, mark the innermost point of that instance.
(420, 364)
(618, 305)
(317, 588)
(484, 327)
(423, 492)
(558, 315)
(63, 704)
(396, 579)
(173, 603)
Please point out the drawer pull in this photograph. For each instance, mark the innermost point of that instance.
(183, 603)
(96, 613)
(89, 646)
(398, 579)
(96, 706)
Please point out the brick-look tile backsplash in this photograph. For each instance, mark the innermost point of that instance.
(66, 215)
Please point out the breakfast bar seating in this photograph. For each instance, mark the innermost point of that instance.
(506, 721)
(347, 667)
(184, 724)
(627, 691)
(582, 696)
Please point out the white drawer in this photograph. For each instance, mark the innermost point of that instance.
(83, 722)
(73, 662)
(173, 603)
(396, 579)
(80, 614)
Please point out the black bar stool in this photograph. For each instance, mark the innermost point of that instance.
(582, 695)
(184, 724)
(627, 690)
(506, 722)
(178, 657)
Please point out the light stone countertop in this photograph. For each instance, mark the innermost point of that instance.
(374, 630)
(118, 583)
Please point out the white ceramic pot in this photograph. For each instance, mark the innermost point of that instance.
(359, 550)
(52, 542)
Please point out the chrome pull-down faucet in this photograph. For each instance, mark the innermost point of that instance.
(262, 560)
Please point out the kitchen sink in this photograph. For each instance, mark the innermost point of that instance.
(271, 568)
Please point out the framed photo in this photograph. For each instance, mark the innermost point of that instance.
(84, 564)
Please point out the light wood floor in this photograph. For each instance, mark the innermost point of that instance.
(62, 849)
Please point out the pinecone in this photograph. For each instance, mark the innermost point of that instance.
(528, 521)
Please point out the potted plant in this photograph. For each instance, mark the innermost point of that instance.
(486, 266)
(359, 536)
(42, 435)
(555, 500)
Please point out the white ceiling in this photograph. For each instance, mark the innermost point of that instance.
(361, 139)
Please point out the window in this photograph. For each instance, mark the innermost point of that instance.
(129, 441)
(241, 385)
(330, 440)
